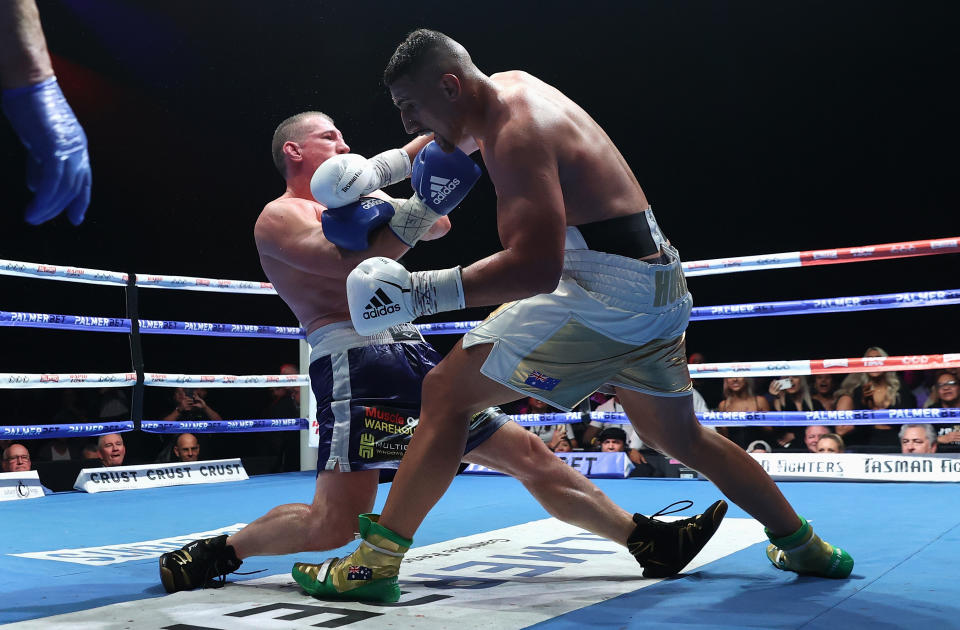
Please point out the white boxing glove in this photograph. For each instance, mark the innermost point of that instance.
(346, 177)
(382, 293)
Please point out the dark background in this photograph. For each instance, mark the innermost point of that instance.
(754, 127)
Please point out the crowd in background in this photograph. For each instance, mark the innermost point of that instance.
(868, 390)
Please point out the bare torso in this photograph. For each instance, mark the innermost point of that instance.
(308, 271)
(595, 179)
(316, 299)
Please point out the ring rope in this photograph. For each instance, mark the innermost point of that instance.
(147, 326)
(765, 309)
(807, 367)
(727, 311)
(885, 251)
(709, 418)
(11, 380)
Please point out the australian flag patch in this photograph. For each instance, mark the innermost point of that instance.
(541, 381)
(355, 572)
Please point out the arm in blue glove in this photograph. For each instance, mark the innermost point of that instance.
(440, 182)
(58, 170)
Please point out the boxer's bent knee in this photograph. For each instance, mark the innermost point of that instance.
(525, 456)
(328, 531)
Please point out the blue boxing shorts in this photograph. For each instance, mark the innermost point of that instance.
(368, 395)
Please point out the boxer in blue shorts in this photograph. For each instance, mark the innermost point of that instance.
(368, 388)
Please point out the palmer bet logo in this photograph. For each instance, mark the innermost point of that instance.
(440, 187)
(379, 304)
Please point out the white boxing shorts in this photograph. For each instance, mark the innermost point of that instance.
(611, 320)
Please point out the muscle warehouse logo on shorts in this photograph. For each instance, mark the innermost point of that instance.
(440, 187)
(366, 445)
(380, 304)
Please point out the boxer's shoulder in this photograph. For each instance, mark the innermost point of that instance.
(284, 214)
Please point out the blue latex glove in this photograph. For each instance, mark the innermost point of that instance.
(58, 170)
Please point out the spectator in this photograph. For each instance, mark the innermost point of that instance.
(918, 438)
(69, 412)
(289, 393)
(706, 388)
(830, 443)
(16, 458)
(919, 383)
(563, 446)
(90, 451)
(824, 391)
(946, 395)
(738, 396)
(111, 449)
(596, 427)
(872, 390)
(57, 449)
(58, 168)
(114, 404)
(758, 446)
(549, 433)
(796, 397)
(191, 405)
(614, 440)
(284, 403)
(187, 448)
(812, 435)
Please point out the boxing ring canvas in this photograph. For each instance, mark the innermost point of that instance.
(487, 557)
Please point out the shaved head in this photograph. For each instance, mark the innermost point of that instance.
(291, 130)
(424, 49)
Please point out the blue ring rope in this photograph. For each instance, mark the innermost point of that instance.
(710, 418)
(727, 311)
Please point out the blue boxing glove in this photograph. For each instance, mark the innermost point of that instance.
(59, 167)
(349, 226)
(441, 181)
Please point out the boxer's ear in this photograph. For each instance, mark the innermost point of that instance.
(450, 86)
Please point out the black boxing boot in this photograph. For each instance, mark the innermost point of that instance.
(200, 563)
(664, 548)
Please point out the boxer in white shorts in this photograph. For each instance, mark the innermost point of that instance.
(615, 312)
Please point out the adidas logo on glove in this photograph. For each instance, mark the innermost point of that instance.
(380, 304)
(440, 187)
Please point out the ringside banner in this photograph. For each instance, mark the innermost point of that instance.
(159, 475)
(591, 464)
(860, 467)
(20, 485)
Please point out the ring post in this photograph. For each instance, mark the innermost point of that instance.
(308, 410)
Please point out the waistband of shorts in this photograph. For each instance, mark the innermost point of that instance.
(341, 336)
(640, 286)
(633, 236)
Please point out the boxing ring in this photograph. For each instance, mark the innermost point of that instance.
(488, 556)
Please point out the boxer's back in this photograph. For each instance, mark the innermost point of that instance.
(316, 299)
(597, 183)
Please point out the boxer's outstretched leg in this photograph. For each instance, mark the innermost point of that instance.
(670, 425)
(662, 548)
(329, 522)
